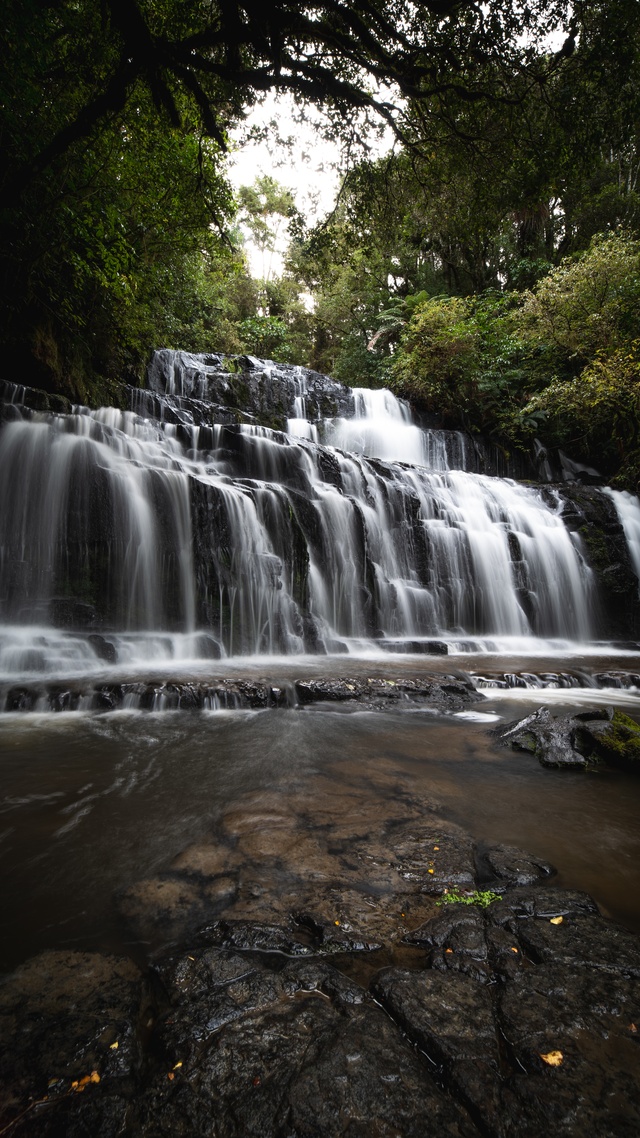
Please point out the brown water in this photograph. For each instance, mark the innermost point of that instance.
(92, 803)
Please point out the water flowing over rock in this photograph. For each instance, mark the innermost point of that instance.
(185, 528)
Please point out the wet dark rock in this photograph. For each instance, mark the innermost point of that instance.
(540, 903)
(615, 741)
(21, 699)
(587, 1019)
(569, 997)
(456, 942)
(451, 1019)
(246, 1031)
(103, 648)
(259, 390)
(62, 699)
(248, 936)
(576, 740)
(593, 516)
(581, 938)
(296, 1051)
(418, 647)
(433, 857)
(568, 986)
(108, 698)
(314, 691)
(507, 865)
(333, 936)
(441, 692)
(545, 736)
(61, 1016)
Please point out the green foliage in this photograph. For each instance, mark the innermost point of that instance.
(438, 361)
(591, 302)
(481, 898)
(557, 362)
(597, 413)
(265, 336)
(120, 246)
(464, 360)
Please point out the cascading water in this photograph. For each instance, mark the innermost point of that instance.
(628, 511)
(157, 537)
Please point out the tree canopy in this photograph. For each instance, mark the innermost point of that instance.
(447, 268)
(214, 58)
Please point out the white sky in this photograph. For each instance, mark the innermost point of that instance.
(311, 167)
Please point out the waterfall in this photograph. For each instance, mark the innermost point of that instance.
(177, 534)
(628, 509)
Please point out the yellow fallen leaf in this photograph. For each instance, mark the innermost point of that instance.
(431, 871)
(632, 1027)
(402, 914)
(79, 1085)
(448, 950)
(552, 1058)
(514, 949)
(178, 1064)
(114, 1046)
(336, 922)
(556, 920)
(436, 847)
(171, 1075)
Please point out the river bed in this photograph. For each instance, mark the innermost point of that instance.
(92, 803)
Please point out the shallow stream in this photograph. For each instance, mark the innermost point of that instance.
(92, 803)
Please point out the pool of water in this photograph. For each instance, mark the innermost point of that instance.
(92, 803)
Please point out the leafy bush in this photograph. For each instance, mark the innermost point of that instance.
(597, 414)
(589, 303)
(438, 360)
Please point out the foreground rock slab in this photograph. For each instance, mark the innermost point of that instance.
(322, 966)
(518, 1019)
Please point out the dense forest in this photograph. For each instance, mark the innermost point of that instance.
(487, 267)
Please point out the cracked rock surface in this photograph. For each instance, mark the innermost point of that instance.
(351, 998)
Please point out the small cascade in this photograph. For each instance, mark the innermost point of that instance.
(382, 427)
(298, 424)
(171, 533)
(628, 509)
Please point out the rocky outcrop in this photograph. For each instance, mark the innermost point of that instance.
(248, 389)
(521, 1019)
(591, 515)
(582, 739)
(356, 965)
(440, 693)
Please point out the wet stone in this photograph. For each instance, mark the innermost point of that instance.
(434, 857)
(588, 1019)
(299, 1051)
(583, 738)
(170, 906)
(451, 1018)
(549, 738)
(61, 1014)
(507, 865)
(247, 935)
(582, 941)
